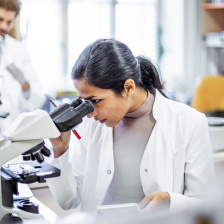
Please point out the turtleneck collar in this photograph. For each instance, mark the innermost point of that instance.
(144, 109)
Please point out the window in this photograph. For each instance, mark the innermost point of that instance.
(41, 28)
(56, 31)
(136, 25)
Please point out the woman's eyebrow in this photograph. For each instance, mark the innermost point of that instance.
(89, 98)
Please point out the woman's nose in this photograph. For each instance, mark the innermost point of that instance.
(93, 114)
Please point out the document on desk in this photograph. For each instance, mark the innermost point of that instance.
(119, 209)
(24, 192)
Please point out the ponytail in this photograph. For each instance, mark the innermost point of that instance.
(150, 75)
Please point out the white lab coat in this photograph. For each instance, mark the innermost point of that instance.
(12, 95)
(177, 159)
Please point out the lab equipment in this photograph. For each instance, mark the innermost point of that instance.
(67, 116)
(216, 131)
(26, 137)
(76, 102)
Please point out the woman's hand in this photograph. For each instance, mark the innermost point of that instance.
(60, 144)
(154, 200)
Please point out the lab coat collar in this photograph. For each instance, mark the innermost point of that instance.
(159, 104)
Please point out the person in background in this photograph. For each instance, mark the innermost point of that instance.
(20, 90)
(137, 146)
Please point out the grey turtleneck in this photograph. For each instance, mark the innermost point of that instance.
(131, 135)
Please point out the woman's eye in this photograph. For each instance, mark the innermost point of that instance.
(95, 101)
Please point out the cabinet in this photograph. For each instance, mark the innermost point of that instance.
(213, 19)
(212, 24)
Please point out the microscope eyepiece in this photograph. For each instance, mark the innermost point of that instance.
(76, 102)
(85, 108)
(68, 116)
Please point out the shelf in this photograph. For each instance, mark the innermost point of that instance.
(212, 23)
(213, 6)
(212, 17)
(214, 45)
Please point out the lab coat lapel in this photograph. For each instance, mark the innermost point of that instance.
(157, 163)
(99, 160)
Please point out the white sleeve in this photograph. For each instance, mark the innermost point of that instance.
(36, 97)
(67, 188)
(199, 168)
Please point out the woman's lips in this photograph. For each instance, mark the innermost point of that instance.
(102, 121)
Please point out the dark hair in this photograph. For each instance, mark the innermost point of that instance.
(108, 63)
(11, 5)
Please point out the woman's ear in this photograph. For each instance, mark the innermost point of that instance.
(129, 87)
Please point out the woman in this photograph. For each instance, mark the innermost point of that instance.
(138, 146)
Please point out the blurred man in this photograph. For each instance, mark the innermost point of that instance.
(20, 90)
